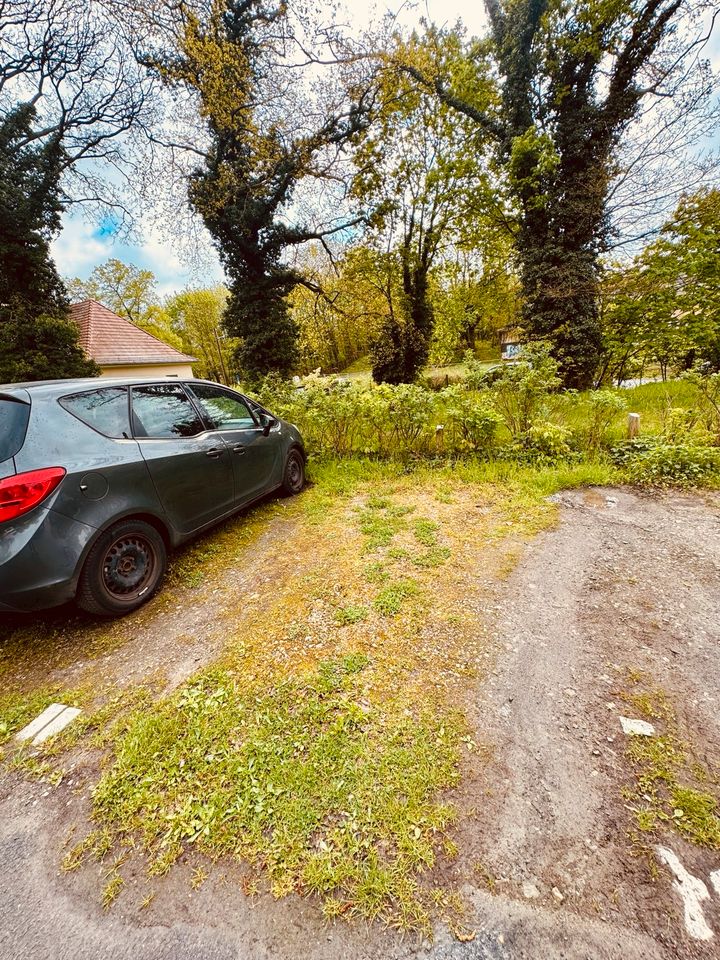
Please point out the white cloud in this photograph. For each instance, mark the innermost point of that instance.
(78, 248)
(81, 246)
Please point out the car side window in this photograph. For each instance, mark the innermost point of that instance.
(104, 410)
(223, 410)
(164, 410)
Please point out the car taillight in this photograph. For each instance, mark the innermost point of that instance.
(24, 491)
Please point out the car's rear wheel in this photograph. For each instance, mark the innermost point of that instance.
(294, 475)
(123, 570)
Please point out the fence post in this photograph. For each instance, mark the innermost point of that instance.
(633, 428)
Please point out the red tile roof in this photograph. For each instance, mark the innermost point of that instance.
(110, 340)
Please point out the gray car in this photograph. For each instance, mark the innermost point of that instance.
(99, 478)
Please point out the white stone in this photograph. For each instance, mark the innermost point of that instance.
(637, 728)
(530, 891)
(51, 721)
(692, 891)
(40, 722)
(558, 896)
(715, 881)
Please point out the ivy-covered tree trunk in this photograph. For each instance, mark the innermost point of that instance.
(561, 233)
(263, 140)
(257, 314)
(572, 77)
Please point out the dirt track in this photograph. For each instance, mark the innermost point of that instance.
(626, 582)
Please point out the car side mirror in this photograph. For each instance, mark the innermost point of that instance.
(266, 422)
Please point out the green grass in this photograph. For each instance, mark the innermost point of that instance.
(390, 599)
(332, 796)
(351, 614)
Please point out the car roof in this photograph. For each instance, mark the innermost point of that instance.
(61, 388)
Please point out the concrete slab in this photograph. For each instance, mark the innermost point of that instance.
(40, 722)
(55, 726)
(637, 728)
(51, 721)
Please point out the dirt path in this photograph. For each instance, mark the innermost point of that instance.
(625, 582)
(626, 585)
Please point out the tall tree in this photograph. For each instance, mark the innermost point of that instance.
(37, 339)
(68, 96)
(664, 308)
(196, 316)
(572, 78)
(422, 174)
(266, 133)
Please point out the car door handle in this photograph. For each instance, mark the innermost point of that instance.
(238, 448)
(214, 453)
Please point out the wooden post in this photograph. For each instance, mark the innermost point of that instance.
(440, 437)
(633, 429)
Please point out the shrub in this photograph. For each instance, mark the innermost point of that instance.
(471, 422)
(543, 442)
(476, 376)
(522, 389)
(602, 407)
(653, 462)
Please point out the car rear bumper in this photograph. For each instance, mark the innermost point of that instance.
(40, 560)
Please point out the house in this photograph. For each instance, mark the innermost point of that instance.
(121, 349)
(510, 342)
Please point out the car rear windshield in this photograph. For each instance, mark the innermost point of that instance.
(14, 417)
(104, 410)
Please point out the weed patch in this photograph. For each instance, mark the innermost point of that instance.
(329, 794)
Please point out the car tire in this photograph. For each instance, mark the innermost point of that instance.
(123, 570)
(294, 473)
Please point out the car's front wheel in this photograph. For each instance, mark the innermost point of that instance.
(123, 570)
(294, 475)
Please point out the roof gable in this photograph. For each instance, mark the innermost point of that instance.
(109, 339)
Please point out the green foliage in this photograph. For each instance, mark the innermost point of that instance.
(569, 86)
(342, 418)
(37, 339)
(601, 410)
(542, 442)
(196, 317)
(655, 462)
(338, 318)
(471, 422)
(421, 169)
(665, 307)
(40, 347)
(708, 390)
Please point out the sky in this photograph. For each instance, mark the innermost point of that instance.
(83, 243)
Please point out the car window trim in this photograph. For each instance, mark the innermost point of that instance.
(233, 393)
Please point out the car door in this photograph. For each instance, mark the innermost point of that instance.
(190, 467)
(255, 455)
